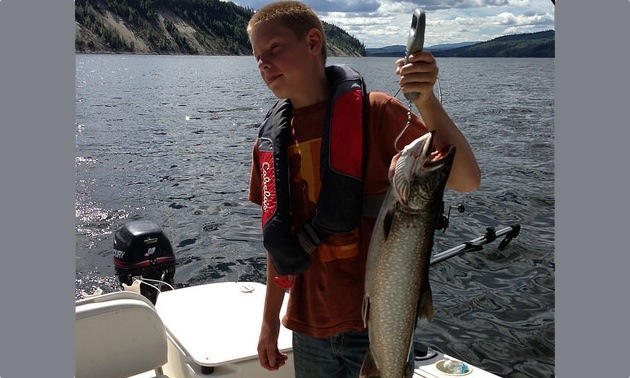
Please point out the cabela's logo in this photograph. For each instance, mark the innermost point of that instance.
(265, 182)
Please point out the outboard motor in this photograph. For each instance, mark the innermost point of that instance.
(142, 250)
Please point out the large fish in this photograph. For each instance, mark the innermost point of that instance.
(397, 288)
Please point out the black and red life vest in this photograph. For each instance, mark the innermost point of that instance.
(339, 205)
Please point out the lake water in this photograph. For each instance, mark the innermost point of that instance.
(169, 138)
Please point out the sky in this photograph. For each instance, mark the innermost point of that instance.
(379, 23)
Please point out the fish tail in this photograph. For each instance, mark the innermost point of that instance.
(369, 368)
(408, 371)
(425, 304)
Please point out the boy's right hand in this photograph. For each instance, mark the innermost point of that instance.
(269, 355)
(419, 76)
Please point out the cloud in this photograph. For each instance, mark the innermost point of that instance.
(322, 6)
(432, 5)
(344, 6)
(379, 23)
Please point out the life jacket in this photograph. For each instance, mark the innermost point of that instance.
(339, 205)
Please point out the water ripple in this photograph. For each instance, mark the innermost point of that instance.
(169, 139)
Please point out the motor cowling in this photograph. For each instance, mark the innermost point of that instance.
(141, 249)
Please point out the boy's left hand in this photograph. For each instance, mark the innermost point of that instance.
(419, 75)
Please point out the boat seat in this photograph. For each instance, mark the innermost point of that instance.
(119, 335)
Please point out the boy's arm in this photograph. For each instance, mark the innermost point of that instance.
(269, 355)
(465, 174)
(420, 76)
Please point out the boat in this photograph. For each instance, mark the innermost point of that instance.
(207, 330)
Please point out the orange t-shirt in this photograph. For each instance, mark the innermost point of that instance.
(327, 298)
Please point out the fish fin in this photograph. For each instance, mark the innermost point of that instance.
(425, 304)
(369, 368)
(388, 220)
(387, 212)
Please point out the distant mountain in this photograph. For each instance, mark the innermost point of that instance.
(395, 50)
(541, 44)
(215, 27)
(399, 50)
(190, 27)
(536, 45)
(450, 46)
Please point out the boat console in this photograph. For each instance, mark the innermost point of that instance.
(213, 331)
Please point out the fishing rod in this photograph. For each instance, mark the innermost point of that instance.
(491, 235)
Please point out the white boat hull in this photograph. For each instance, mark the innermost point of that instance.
(211, 331)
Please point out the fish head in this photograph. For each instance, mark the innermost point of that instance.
(421, 171)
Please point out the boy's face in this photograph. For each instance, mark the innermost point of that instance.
(285, 62)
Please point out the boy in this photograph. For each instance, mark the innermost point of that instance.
(317, 233)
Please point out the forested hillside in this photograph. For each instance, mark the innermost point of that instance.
(537, 45)
(540, 44)
(204, 27)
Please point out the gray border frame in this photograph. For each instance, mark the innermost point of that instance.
(37, 191)
(592, 256)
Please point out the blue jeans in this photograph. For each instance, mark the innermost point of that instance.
(340, 355)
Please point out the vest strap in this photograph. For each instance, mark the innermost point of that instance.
(310, 238)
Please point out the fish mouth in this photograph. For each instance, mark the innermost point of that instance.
(433, 158)
(436, 158)
(421, 156)
(417, 160)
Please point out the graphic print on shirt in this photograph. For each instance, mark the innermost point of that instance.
(305, 188)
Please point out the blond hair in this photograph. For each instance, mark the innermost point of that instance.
(293, 15)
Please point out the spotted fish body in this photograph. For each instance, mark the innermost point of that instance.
(397, 289)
